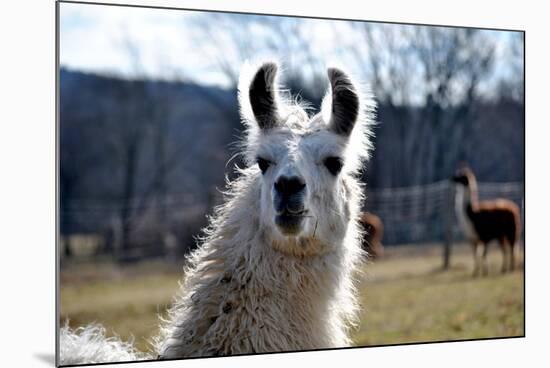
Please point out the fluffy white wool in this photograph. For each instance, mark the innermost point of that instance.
(90, 345)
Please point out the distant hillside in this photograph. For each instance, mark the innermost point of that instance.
(122, 138)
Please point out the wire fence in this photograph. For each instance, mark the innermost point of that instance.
(410, 215)
(421, 213)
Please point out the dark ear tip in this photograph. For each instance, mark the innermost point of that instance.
(335, 73)
(338, 75)
(339, 78)
(269, 66)
(264, 76)
(268, 70)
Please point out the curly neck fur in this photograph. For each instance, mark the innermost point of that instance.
(243, 295)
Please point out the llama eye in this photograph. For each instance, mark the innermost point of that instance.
(263, 164)
(333, 164)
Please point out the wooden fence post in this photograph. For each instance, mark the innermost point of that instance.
(448, 213)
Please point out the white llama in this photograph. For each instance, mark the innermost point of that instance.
(275, 269)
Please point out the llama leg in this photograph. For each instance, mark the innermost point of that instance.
(476, 263)
(512, 258)
(484, 265)
(505, 254)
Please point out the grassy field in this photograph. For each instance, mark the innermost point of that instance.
(405, 298)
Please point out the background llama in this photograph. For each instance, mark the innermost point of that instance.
(148, 121)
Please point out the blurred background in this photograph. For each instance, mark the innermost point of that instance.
(148, 125)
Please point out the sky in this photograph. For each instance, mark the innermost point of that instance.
(94, 38)
(170, 44)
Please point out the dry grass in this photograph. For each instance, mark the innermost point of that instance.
(126, 301)
(405, 298)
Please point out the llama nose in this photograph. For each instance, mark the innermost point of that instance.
(288, 186)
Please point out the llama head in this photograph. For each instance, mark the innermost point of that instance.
(465, 187)
(464, 177)
(305, 165)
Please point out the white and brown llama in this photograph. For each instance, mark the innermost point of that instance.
(485, 221)
(275, 269)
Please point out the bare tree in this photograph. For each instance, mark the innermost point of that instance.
(272, 37)
(511, 84)
(138, 116)
(384, 58)
(146, 107)
(454, 62)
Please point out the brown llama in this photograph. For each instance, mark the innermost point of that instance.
(373, 233)
(484, 221)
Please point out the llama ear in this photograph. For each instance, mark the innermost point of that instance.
(345, 102)
(263, 96)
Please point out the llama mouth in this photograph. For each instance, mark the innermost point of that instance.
(290, 223)
(291, 213)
